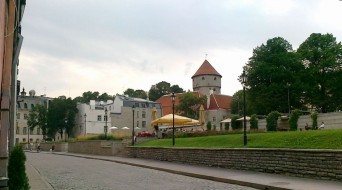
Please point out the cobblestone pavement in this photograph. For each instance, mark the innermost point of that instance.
(64, 172)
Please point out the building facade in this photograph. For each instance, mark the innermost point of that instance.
(206, 82)
(92, 118)
(122, 114)
(25, 104)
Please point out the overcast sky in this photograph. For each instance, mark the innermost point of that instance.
(73, 46)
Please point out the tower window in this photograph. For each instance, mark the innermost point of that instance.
(214, 78)
(214, 89)
(202, 78)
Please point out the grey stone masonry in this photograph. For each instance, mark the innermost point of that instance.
(317, 164)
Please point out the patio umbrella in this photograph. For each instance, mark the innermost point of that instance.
(192, 123)
(168, 120)
(228, 120)
(125, 128)
(201, 117)
(113, 127)
(241, 119)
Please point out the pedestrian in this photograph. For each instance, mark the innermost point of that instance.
(321, 126)
(307, 127)
(38, 147)
(53, 147)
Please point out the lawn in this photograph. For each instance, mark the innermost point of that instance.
(317, 139)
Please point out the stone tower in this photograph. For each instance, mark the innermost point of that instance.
(206, 80)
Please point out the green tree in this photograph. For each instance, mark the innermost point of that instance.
(61, 116)
(314, 116)
(235, 123)
(16, 169)
(136, 93)
(38, 118)
(294, 117)
(322, 57)
(87, 96)
(209, 126)
(254, 122)
(272, 121)
(189, 104)
(162, 88)
(176, 89)
(226, 126)
(272, 72)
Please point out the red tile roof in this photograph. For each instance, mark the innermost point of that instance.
(216, 102)
(219, 102)
(206, 69)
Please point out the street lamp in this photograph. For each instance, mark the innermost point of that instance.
(105, 127)
(173, 97)
(133, 109)
(66, 123)
(288, 97)
(44, 131)
(244, 79)
(85, 124)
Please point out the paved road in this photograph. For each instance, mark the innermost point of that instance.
(64, 172)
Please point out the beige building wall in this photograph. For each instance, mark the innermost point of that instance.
(215, 117)
(205, 83)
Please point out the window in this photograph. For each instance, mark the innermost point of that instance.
(25, 105)
(99, 118)
(137, 114)
(31, 131)
(18, 115)
(37, 140)
(143, 105)
(18, 105)
(32, 106)
(137, 123)
(105, 118)
(143, 114)
(143, 124)
(214, 78)
(17, 130)
(202, 78)
(24, 140)
(24, 130)
(38, 131)
(214, 89)
(136, 105)
(25, 116)
(214, 118)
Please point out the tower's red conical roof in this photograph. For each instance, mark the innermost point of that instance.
(206, 69)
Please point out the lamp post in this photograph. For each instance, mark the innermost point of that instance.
(133, 109)
(173, 97)
(288, 97)
(105, 127)
(66, 123)
(244, 79)
(44, 137)
(85, 124)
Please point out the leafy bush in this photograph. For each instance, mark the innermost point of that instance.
(314, 116)
(295, 114)
(100, 137)
(254, 122)
(236, 124)
(16, 169)
(272, 121)
(226, 126)
(209, 126)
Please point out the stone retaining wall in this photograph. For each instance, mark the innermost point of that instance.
(318, 164)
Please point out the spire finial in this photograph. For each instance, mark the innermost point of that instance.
(206, 55)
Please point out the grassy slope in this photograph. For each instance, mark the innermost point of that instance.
(318, 139)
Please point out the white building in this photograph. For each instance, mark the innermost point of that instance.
(122, 114)
(92, 118)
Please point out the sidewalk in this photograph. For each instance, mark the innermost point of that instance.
(245, 178)
(36, 181)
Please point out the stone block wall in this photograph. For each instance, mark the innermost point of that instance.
(318, 164)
